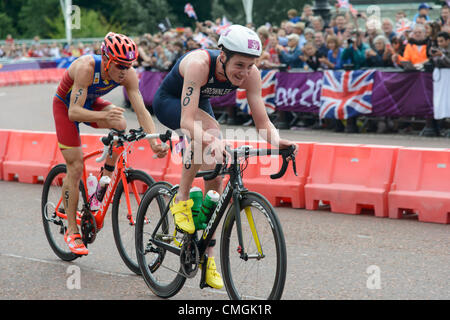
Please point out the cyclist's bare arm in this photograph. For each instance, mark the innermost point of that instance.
(131, 84)
(263, 125)
(82, 73)
(194, 69)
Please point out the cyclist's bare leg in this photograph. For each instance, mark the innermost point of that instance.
(197, 162)
(70, 190)
(118, 125)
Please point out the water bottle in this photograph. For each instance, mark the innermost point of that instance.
(92, 184)
(208, 206)
(101, 189)
(196, 194)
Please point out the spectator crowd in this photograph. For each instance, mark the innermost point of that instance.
(302, 42)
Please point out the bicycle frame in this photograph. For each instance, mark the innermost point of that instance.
(233, 190)
(118, 174)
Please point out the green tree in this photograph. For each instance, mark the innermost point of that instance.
(6, 26)
(92, 25)
(33, 15)
(142, 16)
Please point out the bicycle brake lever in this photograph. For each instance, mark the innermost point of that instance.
(294, 165)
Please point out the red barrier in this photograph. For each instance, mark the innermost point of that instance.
(422, 184)
(29, 155)
(26, 77)
(141, 158)
(41, 76)
(54, 74)
(12, 78)
(4, 136)
(351, 177)
(287, 189)
(3, 79)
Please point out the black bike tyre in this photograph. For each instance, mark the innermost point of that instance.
(163, 291)
(280, 279)
(133, 175)
(53, 173)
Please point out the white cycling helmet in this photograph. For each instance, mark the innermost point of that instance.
(240, 39)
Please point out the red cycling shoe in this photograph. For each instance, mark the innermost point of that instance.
(79, 249)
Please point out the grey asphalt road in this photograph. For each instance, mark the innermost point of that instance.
(330, 256)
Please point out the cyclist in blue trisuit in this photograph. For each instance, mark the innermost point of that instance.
(182, 102)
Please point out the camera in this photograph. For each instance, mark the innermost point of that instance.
(434, 50)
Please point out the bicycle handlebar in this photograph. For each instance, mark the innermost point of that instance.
(133, 135)
(285, 154)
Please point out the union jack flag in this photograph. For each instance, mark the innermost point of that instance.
(347, 5)
(402, 26)
(203, 40)
(189, 10)
(346, 94)
(268, 83)
(223, 25)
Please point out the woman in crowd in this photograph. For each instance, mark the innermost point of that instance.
(381, 55)
(333, 59)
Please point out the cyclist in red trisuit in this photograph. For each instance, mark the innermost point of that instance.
(78, 99)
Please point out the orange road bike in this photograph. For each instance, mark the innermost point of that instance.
(124, 181)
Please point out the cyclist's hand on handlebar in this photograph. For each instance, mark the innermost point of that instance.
(284, 144)
(160, 150)
(218, 150)
(115, 114)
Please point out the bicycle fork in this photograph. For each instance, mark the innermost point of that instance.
(237, 213)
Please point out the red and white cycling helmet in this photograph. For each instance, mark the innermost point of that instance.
(240, 39)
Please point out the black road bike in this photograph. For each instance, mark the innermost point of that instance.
(252, 246)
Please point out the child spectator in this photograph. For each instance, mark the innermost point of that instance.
(293, 16)
(423, 9)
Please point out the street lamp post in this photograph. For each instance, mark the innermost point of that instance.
(323, 9)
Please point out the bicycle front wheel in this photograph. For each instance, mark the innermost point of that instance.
(160, 267)
(123, 217)
(55, 224)
(261, 274)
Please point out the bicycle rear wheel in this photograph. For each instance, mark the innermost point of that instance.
(263, 274)
(122, 224)
(55, 226)
(160, 268)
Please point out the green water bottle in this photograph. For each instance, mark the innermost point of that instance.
(196, 194)
(208, 206)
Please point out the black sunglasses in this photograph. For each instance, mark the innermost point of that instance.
(122, 67)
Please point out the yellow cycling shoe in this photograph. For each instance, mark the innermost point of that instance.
(213, 278)
(183, 215)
